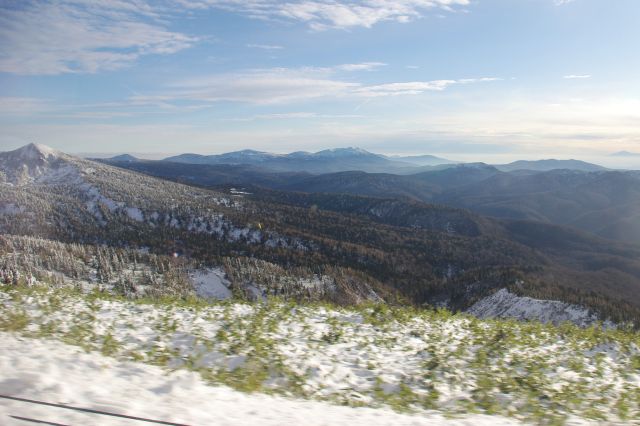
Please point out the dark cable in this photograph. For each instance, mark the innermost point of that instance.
(42, 422)
(89, 410)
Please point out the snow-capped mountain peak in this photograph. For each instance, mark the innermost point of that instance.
(29, 162)
(35, 151)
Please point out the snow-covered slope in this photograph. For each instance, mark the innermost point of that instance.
(84, 192)
(374, 356)
(50, 371)
(504, 304)
(28, 163)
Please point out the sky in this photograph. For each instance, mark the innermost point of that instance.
(485, 80)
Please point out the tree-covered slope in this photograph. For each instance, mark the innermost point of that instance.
(410, 252)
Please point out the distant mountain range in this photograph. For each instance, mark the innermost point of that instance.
(330, 160)
(354, 159)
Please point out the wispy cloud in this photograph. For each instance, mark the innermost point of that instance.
(577, 76)
(295, 115)
(363, 66)
(322, 15)
(265, 46)
(23, 105)
(80, 36)
(284, 85)
(270, 86)
(415, 87)
(408, 88)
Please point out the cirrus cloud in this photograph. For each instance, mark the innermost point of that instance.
(264, 46)
(577, 76)
(82, 36)
(326, 14)
(79, 36)
(286, 85)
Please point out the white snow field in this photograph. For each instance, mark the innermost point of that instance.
(51, 371)
(504, 304)
(431, 364)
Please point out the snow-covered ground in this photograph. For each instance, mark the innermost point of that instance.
(51, 371)
(375, 356)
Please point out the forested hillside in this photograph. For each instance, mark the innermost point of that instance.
(592, 199)
(428, 255)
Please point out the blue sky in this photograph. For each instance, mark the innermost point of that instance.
(470, 79)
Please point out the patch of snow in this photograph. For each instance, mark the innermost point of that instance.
(373, 296)
(450, 271)
(226, 202)
(298, 244)
(317, 282)
(47, 151)
(135, 214)
(448, 228)
(376, 212)
(276, 242)
(94, 194)
(236, 233)
(255, 236)
(67, 174)
(211, 284)
(235, 191)
(504, 304)
(96, 198)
